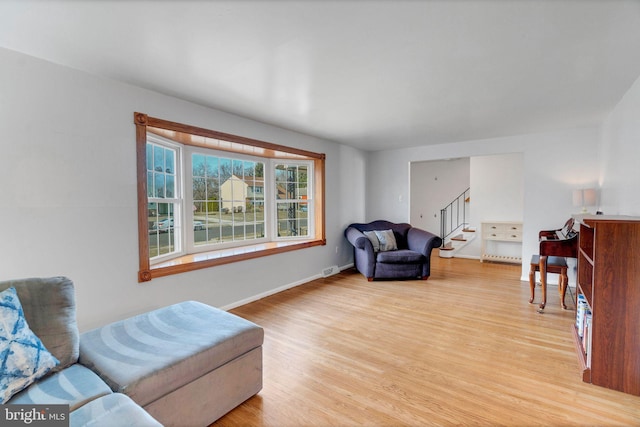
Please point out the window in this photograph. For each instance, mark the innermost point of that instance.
(291, 183)
(163, 198)
(207, 198)
(226, 207)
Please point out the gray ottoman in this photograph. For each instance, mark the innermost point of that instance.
(186, 364)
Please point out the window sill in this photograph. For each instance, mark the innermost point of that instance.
(220, 257)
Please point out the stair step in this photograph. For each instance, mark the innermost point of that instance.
(459, 238)
(447, 247)
(469, 230)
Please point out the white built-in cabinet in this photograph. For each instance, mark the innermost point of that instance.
(501, 241)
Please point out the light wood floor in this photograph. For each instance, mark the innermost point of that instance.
(463, 348)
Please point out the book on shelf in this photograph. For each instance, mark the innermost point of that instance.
(581, 309)
(588, 339)
(583, 326)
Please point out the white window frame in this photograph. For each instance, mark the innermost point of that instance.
(177, 200)
(184, 233)
(190, 241)
(309, 200)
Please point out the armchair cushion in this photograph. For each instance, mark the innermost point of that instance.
(402, 256)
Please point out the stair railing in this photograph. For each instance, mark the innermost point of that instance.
(454, 215)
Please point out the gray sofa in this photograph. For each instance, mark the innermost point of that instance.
(407, 255)
(183, 365)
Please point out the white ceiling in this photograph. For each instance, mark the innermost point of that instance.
(371, 74)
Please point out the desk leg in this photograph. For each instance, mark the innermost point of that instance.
(564, 280)
(532, 282)
(543, 281)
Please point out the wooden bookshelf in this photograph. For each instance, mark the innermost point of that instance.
(609, 280)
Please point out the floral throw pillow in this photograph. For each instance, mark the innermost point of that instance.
(23, 357)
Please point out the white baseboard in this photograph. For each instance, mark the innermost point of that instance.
(467, 256)
(276, 290)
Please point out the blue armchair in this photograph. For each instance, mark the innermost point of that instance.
(377, 257)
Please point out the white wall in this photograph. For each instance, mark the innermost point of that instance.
(496, 195)
(433, 186)
(497, 187)
(620, 156)
(69, 202)
(554, 163)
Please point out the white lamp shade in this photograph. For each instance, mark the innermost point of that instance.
(584, 197)
(589, 197)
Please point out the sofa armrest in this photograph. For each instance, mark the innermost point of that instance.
(357, 238)
(364, 258)
(422, 241)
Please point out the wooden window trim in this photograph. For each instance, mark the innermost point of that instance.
(200, 137)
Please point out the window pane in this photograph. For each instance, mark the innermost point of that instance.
(149, 157)
(259, 171)
(170, 186)
(238, 168)
(227, 233)
(303, 210)
(170, 161)
(302, 191)
(213, 166)
(238, 229)
(198, 165)
(225, 169)
(158, 185)
(199, 189)
(250, 170)
(260, 230)
(302, 174)
(292, 219)
(161, 229)
(199, 226)
(158, 158)
(150, 189)
(214, 224)
(212, 189)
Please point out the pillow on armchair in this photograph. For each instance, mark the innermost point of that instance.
(382, 240)
(371, 235)
(387, 240)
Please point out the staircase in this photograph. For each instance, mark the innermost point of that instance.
(456, 241)
(454, 229)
